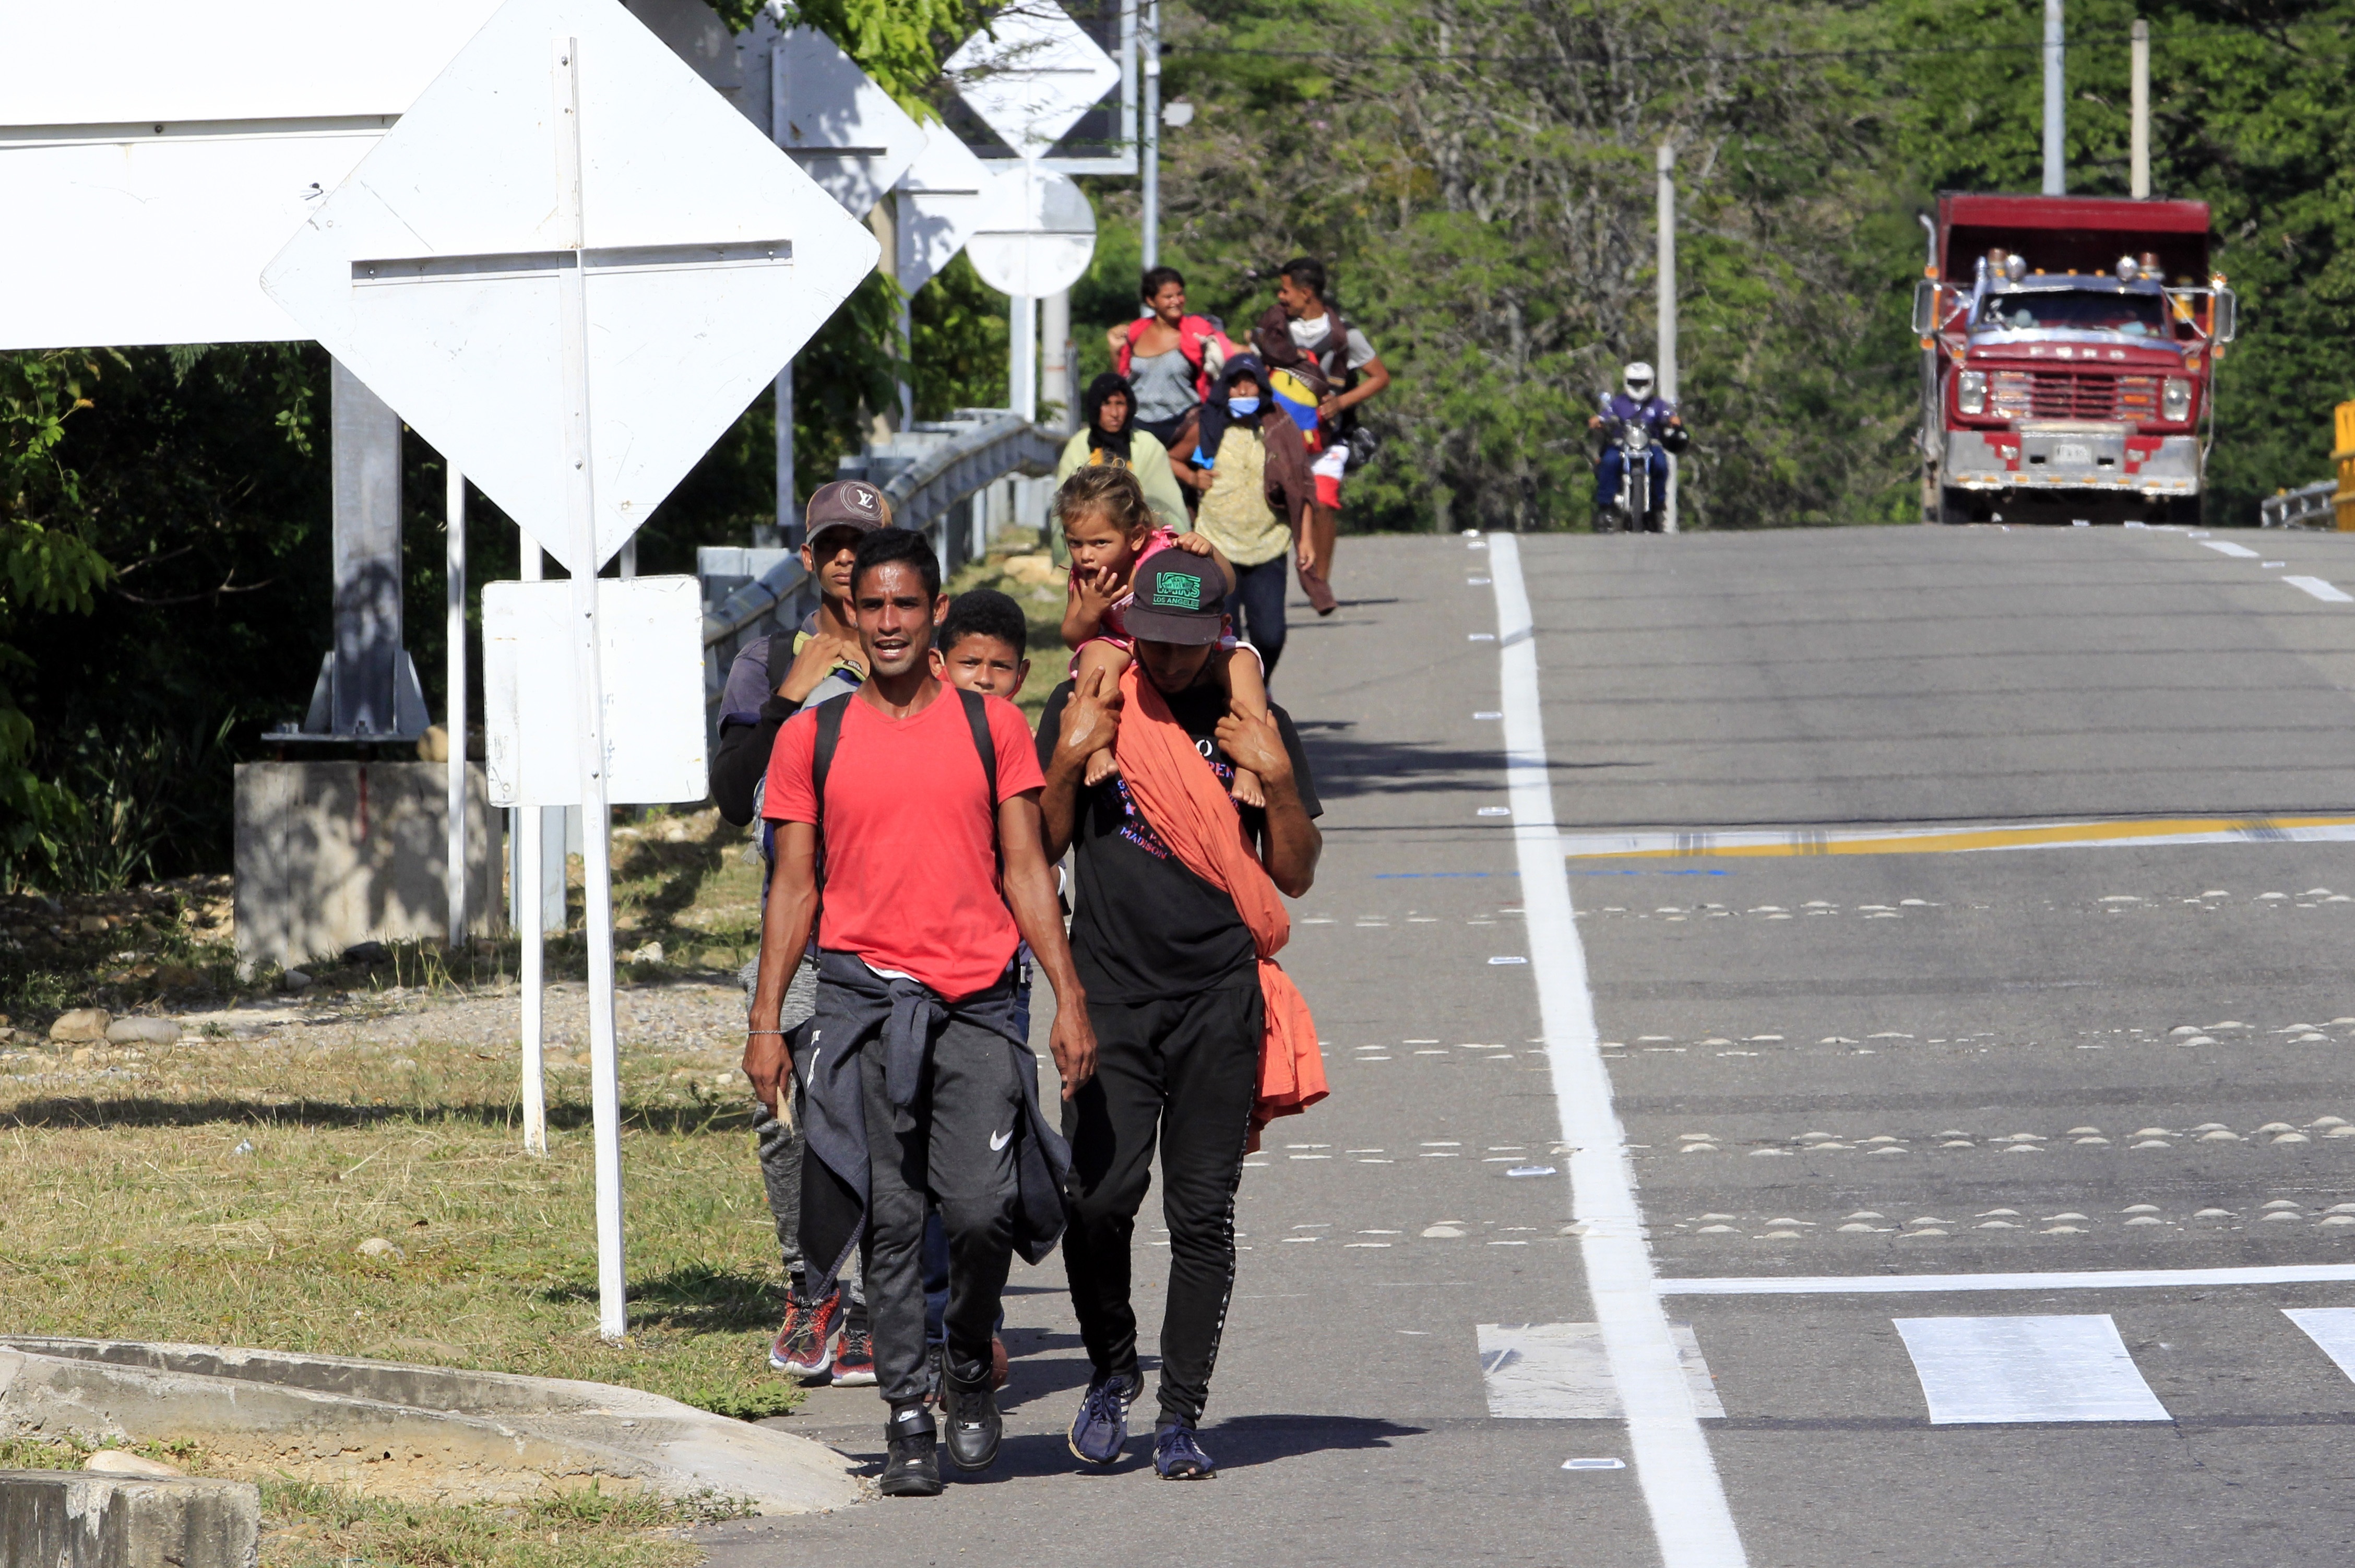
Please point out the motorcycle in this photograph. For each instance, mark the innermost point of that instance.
(1638, 508)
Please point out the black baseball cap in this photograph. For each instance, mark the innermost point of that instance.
(1179, 598)
(845, 504)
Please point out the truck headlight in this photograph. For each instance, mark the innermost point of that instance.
(1970, 392)
(2175, 399)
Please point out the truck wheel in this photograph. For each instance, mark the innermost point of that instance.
(1954, 506)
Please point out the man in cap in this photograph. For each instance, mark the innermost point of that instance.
(1639, 402)
(771, 679)
(1172, 976)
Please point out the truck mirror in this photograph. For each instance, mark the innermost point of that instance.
(2226, 320)
(1925, 307)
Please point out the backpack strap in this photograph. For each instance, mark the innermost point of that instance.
(976, 717)
(829, 736)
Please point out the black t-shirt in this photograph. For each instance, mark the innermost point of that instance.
(1143, 926)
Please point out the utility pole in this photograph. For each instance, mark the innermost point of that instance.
(1055, 358)
(1148, 135)
(2056, 149)
(1666, 351)
(2140, 185)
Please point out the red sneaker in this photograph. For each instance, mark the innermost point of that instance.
(854, 1362)
(804, 1344)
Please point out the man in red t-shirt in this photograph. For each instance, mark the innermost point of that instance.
(917, 1075)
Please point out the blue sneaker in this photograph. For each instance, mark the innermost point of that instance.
(1101, 1429)
(1178, 1458)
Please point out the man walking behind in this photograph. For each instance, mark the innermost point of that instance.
(1199, 1037)
(1304, 336)
(917, 1080)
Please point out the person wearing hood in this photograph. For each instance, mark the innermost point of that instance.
(1245, 457)
(1110, 437)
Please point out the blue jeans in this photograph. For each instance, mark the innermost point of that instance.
(1607, 478)
(1256, 606)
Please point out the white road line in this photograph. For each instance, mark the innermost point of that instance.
(2226, 547)
(2088, 1279)
(1559, 1372)
(1681, 1490)
(2332, 1327)
(2321, 589)
(1986, 1371)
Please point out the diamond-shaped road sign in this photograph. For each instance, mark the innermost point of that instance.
(1031, 74)
(942, 197)
(837, 124)
(440, 270)
(1035, 234)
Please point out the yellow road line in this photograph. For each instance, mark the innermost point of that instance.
(1768, 845)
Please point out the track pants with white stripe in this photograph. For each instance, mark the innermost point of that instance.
(1182, 1072)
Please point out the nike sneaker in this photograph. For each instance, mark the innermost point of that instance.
(804, 1344)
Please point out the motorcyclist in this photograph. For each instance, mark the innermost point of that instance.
(1639, 401)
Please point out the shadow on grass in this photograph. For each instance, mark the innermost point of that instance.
(679, 868)
(697, 1299)
(59, 1113)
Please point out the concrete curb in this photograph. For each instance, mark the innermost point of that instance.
(428, 1433)
(73, 1518)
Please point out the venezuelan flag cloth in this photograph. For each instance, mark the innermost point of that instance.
(1297, 396)
(1172, 784)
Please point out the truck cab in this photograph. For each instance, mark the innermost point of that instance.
(2071, 346)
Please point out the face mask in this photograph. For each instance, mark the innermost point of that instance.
(1241, 407)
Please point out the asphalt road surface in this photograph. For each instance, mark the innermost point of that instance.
(1765, 1070)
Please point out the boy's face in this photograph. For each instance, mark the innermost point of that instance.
(984, 664)
(828, 556)
(1096, 543)
(1294, 299)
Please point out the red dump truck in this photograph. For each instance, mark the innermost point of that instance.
(2069, 349)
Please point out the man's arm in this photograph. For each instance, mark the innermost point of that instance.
(1293, 843)
(1030, 894)
(1091, 723)
(1374, 379)
(785, 935)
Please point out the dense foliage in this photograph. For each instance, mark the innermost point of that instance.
(1480, 173)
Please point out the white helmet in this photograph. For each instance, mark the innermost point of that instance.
(1638, 377)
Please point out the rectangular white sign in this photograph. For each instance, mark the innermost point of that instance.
(652, 631)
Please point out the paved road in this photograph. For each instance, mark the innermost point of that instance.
(2015, 1064)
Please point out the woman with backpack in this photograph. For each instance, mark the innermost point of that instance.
(1170, 359)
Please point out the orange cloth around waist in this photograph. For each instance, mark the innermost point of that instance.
(1172, 784)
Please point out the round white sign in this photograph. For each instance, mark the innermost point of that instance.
(1036, 232)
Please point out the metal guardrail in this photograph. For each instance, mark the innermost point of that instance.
(754, 600)
(978, 451)
(2309, 506)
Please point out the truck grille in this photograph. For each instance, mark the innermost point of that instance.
(2065, 395)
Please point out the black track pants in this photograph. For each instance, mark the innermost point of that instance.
(1185, 1071)
(960, 1154)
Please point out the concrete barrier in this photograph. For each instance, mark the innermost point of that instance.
(73, 1519)
(426, 1433)
(331, 854)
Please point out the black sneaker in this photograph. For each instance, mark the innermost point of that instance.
(974, 1425)
(1178, 1458)
(913, 1470)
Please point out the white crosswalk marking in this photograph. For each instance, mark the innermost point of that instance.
(1560, 1371)
(1976, 1371)
(2332, 1327)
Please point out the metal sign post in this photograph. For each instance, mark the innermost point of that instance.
(596, 819)
(453, 509)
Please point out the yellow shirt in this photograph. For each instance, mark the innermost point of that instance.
(1234, 513)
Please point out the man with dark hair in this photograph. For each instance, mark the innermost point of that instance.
(1320, 368)
(916, 1074)
(1181, 1001)
(829, 1337)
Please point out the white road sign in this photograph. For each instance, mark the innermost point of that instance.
(1030, 74)
(167, 151)
(842, 130)
(941, 201)
(1035, 232)
(650, 632)
(438, 270)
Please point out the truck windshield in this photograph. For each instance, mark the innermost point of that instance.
(2138, 315)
